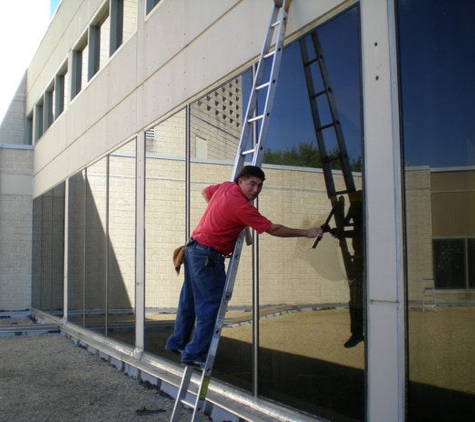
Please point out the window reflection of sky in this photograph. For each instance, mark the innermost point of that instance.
(437, 61)
(291, 122)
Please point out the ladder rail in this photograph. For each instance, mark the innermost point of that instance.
(269, 101)
(226, 297)
(270, 51)
(181, 396)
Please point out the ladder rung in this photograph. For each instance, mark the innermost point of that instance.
(258, 88)
(323, 127)
(276, 23)
(331, 159)
(187, 403)
(310, 62)
(269, 54)
(318, 94)
(249, 151)
(341, 192)
(253, 119)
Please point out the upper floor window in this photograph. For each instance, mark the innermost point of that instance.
(150, 5)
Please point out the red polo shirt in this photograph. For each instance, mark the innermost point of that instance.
(227, 214)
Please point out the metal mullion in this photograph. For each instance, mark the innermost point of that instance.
(188, 172)
(255, 286)
(107, 249)
(84, 210)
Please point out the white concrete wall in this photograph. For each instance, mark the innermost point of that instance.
(184, 48)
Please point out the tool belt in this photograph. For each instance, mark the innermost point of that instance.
(213, 254)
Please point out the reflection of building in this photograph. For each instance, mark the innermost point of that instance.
(217, 122)
(130, 111)
(441, 233)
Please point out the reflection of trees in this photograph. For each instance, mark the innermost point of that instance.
(306, 154)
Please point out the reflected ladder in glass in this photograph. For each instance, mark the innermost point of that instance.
(316, 76)
(328, 131)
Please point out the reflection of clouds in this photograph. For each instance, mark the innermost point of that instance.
(326, 258)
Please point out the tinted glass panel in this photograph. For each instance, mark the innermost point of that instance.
(76, 247)
(121, 244)
(165, 227)
(438, 104)
(48, 251)
(95, 252)
(311, 353)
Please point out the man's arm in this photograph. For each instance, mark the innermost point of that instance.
(282, 231)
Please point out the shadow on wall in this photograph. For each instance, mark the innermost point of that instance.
(103, 243)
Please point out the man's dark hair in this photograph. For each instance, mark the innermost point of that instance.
(250, 171)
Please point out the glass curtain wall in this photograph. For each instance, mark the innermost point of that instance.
(95, 246)
(437, 58)
(48, 251)
(311, 348)
(76, 247)
(120, 244)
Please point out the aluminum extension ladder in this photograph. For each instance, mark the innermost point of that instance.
(250, 151)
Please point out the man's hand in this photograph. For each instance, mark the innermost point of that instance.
(282, 231)
(314, 232)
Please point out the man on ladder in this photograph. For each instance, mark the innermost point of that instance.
(220, 232)
(229, 211)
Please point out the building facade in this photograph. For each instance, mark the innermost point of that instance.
(131, 107)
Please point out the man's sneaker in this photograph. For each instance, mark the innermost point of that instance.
(199, 362)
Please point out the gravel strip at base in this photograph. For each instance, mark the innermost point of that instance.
(48, 378)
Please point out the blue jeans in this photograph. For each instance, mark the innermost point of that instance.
(199, 302)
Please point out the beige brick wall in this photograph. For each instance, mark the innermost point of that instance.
(15, 228)
(13, 128)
